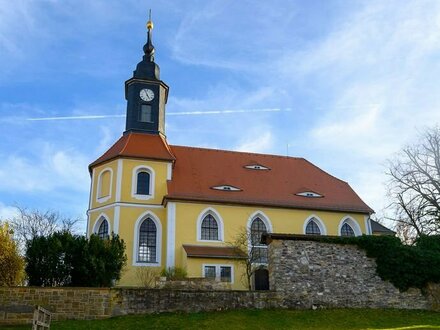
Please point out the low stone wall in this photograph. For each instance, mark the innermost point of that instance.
(96, 303)
(308, 273)
(303, 274)
(192, 283)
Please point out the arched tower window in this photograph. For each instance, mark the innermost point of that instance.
(346, 230)
(103, 230)
(104, 185)
(147, 246)
(143, 183)
(312, 228)
(258, 250)
(209, 228)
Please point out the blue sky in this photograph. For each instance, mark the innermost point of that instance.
(354, 81)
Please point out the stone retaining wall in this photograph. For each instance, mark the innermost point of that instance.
(96, 303)
(303, 274)
(308, 273)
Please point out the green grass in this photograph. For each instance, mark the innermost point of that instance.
(267, 319)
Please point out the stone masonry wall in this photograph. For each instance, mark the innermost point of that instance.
(303, 274)
(309, 273)
(16, 304)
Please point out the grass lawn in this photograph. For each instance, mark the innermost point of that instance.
(267, 319)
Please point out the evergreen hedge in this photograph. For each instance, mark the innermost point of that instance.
(63, 259)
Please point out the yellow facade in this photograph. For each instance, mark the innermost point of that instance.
(178, 222)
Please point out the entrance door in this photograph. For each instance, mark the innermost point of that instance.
(261, 277)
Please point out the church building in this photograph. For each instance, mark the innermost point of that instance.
(182, 206)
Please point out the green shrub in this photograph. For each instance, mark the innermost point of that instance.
(174, 273)
(63, 259)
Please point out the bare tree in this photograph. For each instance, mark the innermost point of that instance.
(251, 255)
(28, 224)
(414, 187)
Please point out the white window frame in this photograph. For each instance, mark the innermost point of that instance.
(217, 271)
(98, 222)
(261, 215)
(352, 223)
(99, 185)
(318, 222)
(136, 171)
(217, 218)
(137, 226)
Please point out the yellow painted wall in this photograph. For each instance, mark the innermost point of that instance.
(234, 218)
(95, 200)
(160, 181)
(195, 269)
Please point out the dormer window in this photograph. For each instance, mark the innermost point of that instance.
(226, 188)
(310, 194)
(257, 167)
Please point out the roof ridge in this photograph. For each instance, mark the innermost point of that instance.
(323, 171)
(125, 145)
(238, 152)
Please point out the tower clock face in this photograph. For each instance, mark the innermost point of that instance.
(146, 94)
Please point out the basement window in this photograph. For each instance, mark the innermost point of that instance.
(257, 167)
(309, 194)
(226, 188)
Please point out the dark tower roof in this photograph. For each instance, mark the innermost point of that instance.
(147, 69)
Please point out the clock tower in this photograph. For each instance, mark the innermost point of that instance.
(146, 94)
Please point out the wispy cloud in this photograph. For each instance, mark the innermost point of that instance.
(183, 113)
(47, 170)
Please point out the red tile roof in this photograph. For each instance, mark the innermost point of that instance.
(138, 145)
(199, 251)
(197, 170)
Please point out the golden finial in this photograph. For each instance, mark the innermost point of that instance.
(150, 22)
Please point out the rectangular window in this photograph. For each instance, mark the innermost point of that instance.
(225, 274)
(145, 114)
(210, 272)
(218, 273)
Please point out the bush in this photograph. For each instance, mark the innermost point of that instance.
(147, 276)
(174, 273)
(63, 259)
(11, 263)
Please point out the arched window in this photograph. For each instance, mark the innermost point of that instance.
(258, 250)
(312, 228)
(147, 245)
(346, 230)
(143, 183)
(104, 185)
(209, 230)
(103, 230)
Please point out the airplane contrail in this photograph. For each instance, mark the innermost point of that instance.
(184, 113)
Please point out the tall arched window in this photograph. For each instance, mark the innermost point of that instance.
(143, 183)
(312, 228)
(346, 230)
(103, 230)
(147, 246)
(209, 230)
(258, 250)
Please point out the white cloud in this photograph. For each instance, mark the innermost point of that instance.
(7, 211)
(258, 140)
(46, 171)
